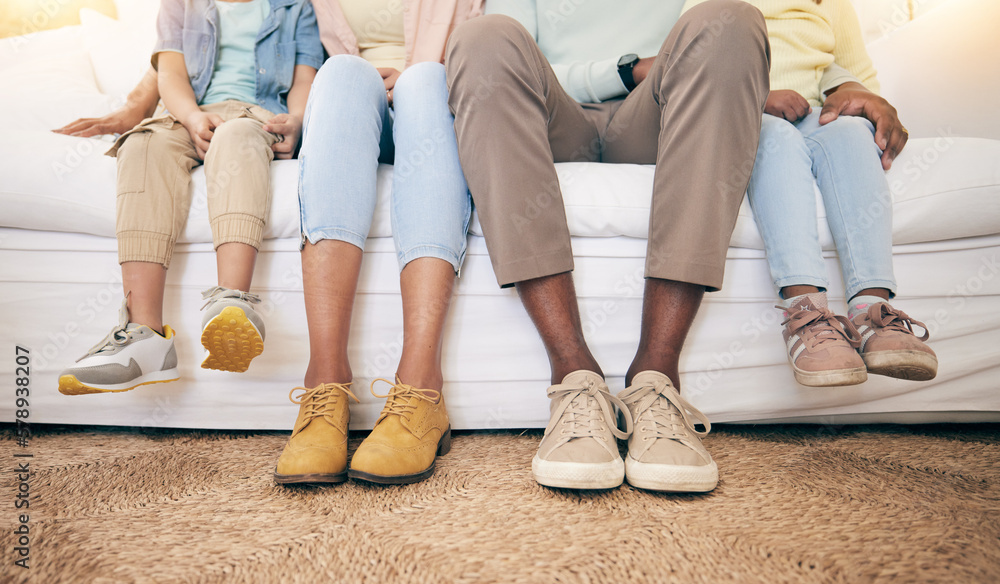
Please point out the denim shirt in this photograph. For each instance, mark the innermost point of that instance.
(288, 37)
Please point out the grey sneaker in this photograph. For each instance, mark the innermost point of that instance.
(579, 450)
(131, 355)
(665, 451)
(232, 331)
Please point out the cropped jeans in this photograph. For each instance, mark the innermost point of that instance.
(349, 128)
(843, 160)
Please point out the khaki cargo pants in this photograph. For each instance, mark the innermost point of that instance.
(155, 160)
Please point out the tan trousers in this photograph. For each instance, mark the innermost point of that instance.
(154, 181)
(696, 116)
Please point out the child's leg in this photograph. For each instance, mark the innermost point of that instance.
(154, 173)
(154, 178)
(784, 204)
(859, 210)
(237, 177)
(143, 284)
(857, 200)
(784, 208)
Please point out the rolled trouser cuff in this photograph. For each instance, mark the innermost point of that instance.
(237, 228)
(145, 246)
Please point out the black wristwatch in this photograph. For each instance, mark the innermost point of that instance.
(625, 66)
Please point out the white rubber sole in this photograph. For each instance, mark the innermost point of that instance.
(578, 475)
(70, 385)
(832, 378)
(671, 478)
(905, 364)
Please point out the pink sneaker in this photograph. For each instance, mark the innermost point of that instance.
(821, 345)
(889, 346)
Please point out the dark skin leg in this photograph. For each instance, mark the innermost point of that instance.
(668, 309)
(551, 303)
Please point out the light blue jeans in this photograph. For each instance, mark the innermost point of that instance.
(349, 127)
(843, 159)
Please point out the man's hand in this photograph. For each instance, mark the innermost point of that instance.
(117, 122)
(289, 127)
(201, 126)
(788, 104)
(389, 77)
(853, 99)
(641, 69)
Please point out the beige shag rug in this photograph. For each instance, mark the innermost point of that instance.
(795, 504)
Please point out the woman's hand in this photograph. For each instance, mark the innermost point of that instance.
(389, 77)
(289, 127)
(201, 126)
(854, 99)
(787, 104)
(117, 122)
(140, 104)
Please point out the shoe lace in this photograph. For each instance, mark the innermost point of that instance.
(119, 335)
(584, 410)
(219, 292)
(399, 400)
(664, 413)
(318, 401)
(883, 315)
(820, 326)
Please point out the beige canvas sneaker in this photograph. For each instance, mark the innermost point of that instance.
(579, 449)
(665, 451)
(821, 345)
(889, 346)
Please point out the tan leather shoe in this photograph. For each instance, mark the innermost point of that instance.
(317, 449)
(410, 433)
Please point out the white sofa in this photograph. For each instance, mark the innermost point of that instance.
(60, 282)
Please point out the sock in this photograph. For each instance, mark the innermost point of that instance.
(818, 299)
(131, 325)
(861, 304)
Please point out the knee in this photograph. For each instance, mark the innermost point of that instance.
(728, 26)
(853, 130)
(341, 71)
(420, 79)
(483, 40)
(237, 133)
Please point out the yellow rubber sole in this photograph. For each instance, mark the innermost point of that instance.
(69, 385)
(232, 341)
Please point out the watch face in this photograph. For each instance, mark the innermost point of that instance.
(628, 60)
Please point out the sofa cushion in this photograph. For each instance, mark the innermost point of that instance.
(942, 188)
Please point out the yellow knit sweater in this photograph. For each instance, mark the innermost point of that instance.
(806, 39)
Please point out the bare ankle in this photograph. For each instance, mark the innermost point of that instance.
(316, 375)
